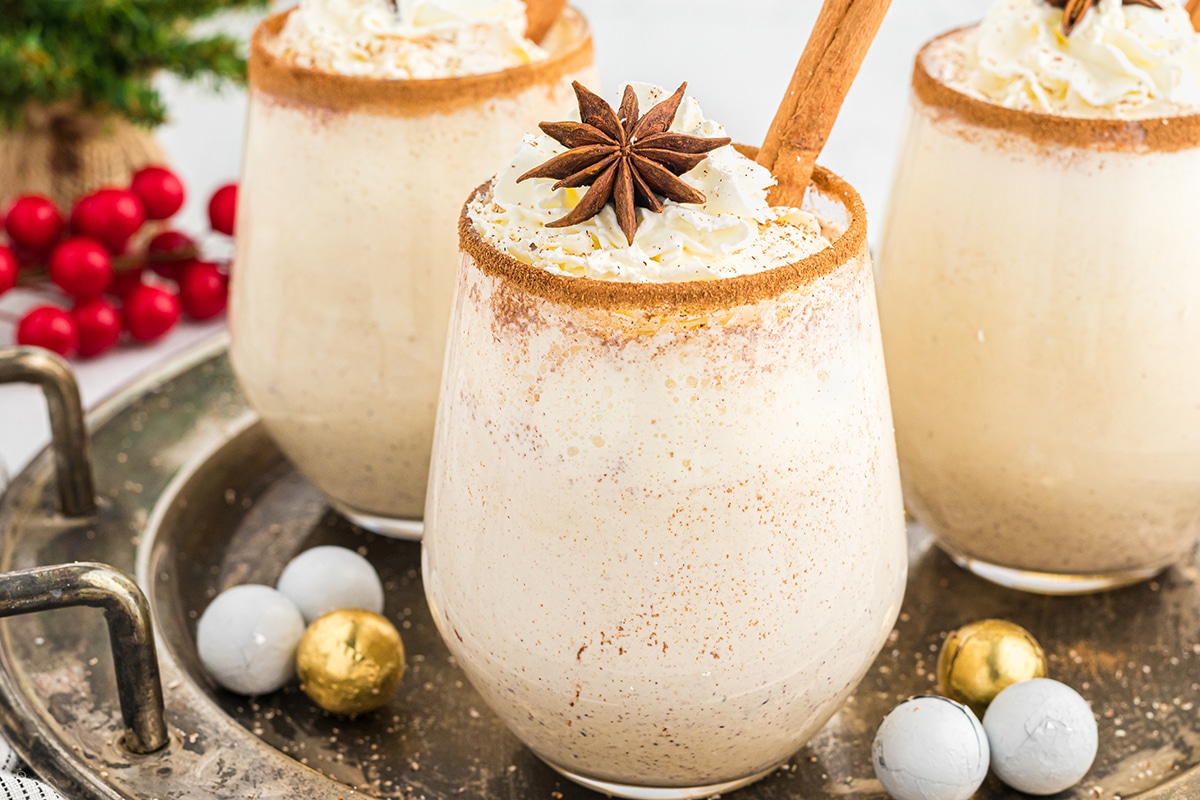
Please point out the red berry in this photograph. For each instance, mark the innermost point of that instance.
(8, 269)
(124, 282)
(110, 216)
(51, 328)
(99, 327)
(222, 209)
(203, 291)
(81, 267)
(33, 222)
(150, 312)
(160, 191)
(171, 243)
(169, 252)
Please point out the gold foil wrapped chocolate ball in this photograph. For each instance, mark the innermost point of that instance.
(980, 660)
(350, 661)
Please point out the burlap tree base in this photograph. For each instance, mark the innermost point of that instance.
(63, 154)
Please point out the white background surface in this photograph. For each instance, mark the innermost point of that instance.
(736, 56)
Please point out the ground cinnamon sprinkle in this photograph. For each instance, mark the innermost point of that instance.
(684, 297)
(1157, 134)
(272, 73)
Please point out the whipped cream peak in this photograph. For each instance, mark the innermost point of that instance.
(733, 232)
(415, 39)
(1120, 61)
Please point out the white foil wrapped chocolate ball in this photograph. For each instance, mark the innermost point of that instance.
(930, 748)
(1043, 736)
(328, 578)
(247, 639)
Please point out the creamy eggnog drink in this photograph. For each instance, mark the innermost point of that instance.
(367, 127)
(1039, 289)
(664, 534)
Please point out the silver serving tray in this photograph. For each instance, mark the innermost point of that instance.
(194, 498)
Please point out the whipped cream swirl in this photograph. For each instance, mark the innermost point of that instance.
(420, 39)
(734, 232)
(1125, 62)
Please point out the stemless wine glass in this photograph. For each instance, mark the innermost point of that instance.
(347, 250)
(664, 534)
(1039, 292)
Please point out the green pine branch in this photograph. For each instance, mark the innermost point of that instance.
(101, 56)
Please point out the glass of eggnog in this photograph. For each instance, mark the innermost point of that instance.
(368, 123)
(1039, 292)
(664, 534)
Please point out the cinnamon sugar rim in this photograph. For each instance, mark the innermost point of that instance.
(681, 296)
(275, 74)
(1163, 134)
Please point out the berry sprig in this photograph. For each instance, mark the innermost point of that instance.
(109, 285)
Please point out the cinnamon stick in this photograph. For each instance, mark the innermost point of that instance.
(542, 14)
(1194, 9)
(831, 59)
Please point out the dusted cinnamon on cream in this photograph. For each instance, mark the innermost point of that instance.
(415, 39)
(1119, 61)
(734, 231)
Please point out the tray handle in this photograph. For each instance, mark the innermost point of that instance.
(73, 464)
(135, 659)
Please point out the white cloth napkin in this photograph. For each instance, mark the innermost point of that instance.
(14, 787)
(17, 787)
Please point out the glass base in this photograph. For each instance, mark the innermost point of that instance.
(1049, 582)
(410, 529)
(660, 792)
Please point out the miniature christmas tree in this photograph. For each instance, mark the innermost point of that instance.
(76, 85)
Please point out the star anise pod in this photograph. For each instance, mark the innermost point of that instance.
(1075, 10)
(623, 157)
